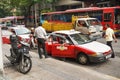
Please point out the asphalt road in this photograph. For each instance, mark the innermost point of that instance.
(54, 69)
(68, 69)
(110, 67)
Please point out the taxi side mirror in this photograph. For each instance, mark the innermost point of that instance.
(67, 42)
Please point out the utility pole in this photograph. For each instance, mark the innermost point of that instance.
(1, 55)
(35, 8)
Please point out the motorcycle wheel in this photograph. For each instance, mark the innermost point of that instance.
(25, 65)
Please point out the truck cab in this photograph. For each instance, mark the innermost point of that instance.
(92, 24)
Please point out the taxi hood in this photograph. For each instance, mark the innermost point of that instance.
(25, 36)
(96, 47)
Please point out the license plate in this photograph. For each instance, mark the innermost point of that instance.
(108, 56)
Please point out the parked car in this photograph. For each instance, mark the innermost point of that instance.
(5, 36)
(22, 32)
(73, 44)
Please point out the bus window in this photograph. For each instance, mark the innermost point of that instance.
(117, 16)
(57, 17)
(63, 18)
(107, 17)
(68, 17)
(43, 18)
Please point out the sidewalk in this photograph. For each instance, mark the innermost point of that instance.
(3, 77)
(52, 69)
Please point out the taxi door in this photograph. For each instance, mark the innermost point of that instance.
(62, 49)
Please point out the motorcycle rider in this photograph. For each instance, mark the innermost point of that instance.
(19, 54)
(14, 44)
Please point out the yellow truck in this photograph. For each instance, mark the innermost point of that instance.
(93, 24)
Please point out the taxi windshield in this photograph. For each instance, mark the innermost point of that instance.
(80, 38)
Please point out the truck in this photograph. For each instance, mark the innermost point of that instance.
(93, 25)
(60, 21)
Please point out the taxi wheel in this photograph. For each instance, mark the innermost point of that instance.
(82, 59)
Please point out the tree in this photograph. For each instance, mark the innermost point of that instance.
(26, 5)
(22, 7)
(5, 8)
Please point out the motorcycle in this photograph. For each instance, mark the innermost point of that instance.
(19, 55)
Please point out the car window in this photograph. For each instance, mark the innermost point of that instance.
(82, 22)
(22, 31)
(57, 38)
(80, 38)
(93, 22)
(52, 38)
(66, 38)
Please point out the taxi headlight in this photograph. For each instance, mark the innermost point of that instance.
(94, 54)
(98, 54)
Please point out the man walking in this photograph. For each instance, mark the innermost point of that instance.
(41, 34)
(109, 36)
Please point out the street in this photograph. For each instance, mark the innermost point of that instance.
(110, 67)
(30, 20)
(56, 68)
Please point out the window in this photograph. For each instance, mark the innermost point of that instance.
(117, 16)
(107, 17)
(68, 17)
(93, 22)
(82, 23)
(45, 17)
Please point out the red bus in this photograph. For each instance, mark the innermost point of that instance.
(9, 21)
(107, 15)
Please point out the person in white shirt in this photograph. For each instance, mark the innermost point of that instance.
(110, 36)
(41, 34)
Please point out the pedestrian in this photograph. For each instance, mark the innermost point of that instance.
(41, 34)
(109, 37)
(33, 40)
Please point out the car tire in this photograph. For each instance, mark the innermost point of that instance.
(82, 59)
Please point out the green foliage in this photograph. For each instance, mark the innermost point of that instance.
(52, 1)
(21, 6)
(46, 10)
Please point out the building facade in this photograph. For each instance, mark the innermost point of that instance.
(62, 5)
(101, 3)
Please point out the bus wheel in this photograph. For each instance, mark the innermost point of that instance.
(82, 59)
